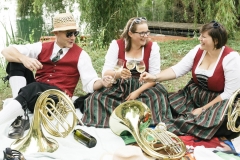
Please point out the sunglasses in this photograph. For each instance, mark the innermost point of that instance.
(70, 34)
(215, 24)
(142, 34)
(137, 21)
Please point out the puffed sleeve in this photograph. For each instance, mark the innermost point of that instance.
(30, 50)
(154, 59)
(185, 65)
(231, 67)
(111, 57)
(88, 75)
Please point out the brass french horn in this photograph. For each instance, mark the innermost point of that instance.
(55, 112)
(135, 117)
(233, 108)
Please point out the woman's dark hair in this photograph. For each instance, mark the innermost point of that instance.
(131, 26)
(217, 32)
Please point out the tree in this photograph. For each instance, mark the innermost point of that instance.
(196, 11)
(37, 7)
(106, 18)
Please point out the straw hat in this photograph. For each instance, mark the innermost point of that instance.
(126, 153)
(63, 22)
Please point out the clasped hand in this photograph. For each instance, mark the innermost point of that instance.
(197, 111)
(132, 96)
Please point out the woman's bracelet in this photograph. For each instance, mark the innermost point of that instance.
(203, 109)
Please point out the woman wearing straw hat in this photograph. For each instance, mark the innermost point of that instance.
(58, 65)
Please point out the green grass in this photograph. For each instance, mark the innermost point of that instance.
(171, 52)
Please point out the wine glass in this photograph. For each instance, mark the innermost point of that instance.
(130, 64)
(140, 67)
(118, 68)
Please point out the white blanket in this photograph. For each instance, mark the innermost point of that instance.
(69, 148)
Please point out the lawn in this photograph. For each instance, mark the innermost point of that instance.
(171, 52)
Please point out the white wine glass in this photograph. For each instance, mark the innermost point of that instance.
(130, 64)
(118, 68)
(140, 67)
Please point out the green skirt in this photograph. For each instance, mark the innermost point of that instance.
(173, 109)
(100, 104)
(182, 122)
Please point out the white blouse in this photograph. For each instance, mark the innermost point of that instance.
(112, 56)
(231, 68)
(87, 73)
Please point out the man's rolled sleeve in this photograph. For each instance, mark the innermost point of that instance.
(88, 75)
(30, 50)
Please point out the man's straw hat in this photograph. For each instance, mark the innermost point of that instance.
(63, 22)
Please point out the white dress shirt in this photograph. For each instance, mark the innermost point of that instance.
(87, 73)
(231, 68)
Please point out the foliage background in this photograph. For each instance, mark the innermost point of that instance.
(104, 19)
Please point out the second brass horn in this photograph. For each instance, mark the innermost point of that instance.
(55, 112)
(135, 117)
(233, 112)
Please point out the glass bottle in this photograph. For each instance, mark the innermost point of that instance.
(84, 138)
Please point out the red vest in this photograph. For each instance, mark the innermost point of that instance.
(217, 81)
(64, 73)
(147, 52)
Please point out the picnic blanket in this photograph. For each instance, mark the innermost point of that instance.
(69, 148)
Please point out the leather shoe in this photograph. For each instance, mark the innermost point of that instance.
(17, 128)
(11, 154)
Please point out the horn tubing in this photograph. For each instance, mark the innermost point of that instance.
(131, 116)
(35, 140)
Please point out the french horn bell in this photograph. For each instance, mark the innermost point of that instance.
(55, 112)
(233, 113)
(135, 117)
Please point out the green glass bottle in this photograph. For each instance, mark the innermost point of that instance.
(84, 138)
